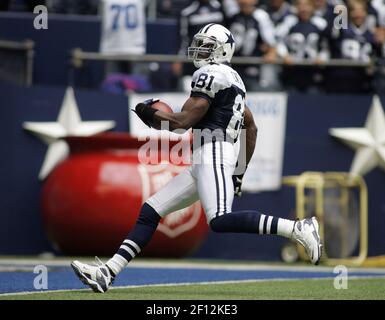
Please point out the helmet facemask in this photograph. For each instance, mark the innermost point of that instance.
(202, 50)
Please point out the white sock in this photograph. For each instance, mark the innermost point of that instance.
(127, 251)
(117, 263)
(285, 228)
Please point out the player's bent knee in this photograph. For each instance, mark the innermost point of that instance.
(148, 215)
(216, 224)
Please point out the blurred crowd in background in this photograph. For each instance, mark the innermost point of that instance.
(291, 32)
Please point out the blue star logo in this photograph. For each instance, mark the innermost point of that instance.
(230, 39)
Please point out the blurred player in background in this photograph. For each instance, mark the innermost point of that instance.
(122, 20)
(358, 43)
(217, 112)
(278, 10)
(198, 14)
(254, 37)
(325, 9)
(379, 77)
(303, 36)
(194, 17)
(230, 8)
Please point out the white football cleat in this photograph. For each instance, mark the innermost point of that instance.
(97, 277)
(306, 232)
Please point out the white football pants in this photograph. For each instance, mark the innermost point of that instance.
(208, 179)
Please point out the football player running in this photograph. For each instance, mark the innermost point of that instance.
(216, 107)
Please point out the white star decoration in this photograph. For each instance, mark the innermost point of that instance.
(68, 123)
(369, 142)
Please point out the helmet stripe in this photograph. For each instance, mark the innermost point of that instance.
(208, 27)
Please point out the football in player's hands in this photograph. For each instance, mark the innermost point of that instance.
(146, 110)
(162, 106)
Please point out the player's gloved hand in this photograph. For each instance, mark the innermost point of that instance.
(237, 181)
(145, 112)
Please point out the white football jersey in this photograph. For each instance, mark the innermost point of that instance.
(123, 27)
(222, 86)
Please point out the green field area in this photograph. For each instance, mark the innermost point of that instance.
(259, 290)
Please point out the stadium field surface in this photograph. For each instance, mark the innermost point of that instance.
(197, 280)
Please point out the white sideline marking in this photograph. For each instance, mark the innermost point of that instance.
(190, 265)
(185, 284)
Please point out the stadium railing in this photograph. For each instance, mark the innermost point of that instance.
(78, 56)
